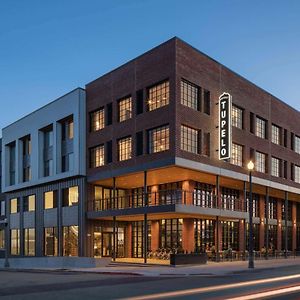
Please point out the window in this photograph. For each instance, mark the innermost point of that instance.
(109, 114)
(124, 148)
(2, 208)
(190, 95)
(97, 156)
(237, 155)
(189, 139)
(14, 205)
(97, 120)
(297, 174)
(67, 162)
(170, 233)
(297, 144)
(125, 109)
(15, 241)
(70, 196)
(29, 241)
(159, 139)
(70, 241)
(261, 126)
(50, 199)
(26, 143)
(207, 102)
(139, 102)
(68, 130)
(29, 203)
(51, 241)
(204, 234)
(275, 171)
(12, 164)
(260, 162)
(158, 96)
(47, 154)
(276, 134)
(237, 117)
(108, 152)
(2, 238)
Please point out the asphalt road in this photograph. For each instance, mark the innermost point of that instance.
(71, 285)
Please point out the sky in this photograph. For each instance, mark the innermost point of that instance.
(48, 48)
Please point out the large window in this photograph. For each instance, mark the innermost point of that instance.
(29, 203)
(137, 238)
(70, 196)
(297, 144)
(170, 232)
(26, 141)
(12, 164)
(2, 238)
(51, 241)
(48, 153)
(230, 235)
(70, 241)
(297, 174)
(190, 95)
(275, 171)
(237, 117)
(29, 241)
(125, 109)
(14, 205)
(158, 95)
(260, 162)
(189, 139)
(97, 156)
(261, 126)
(204, 234)
(159, 139)
(237, 155)
(97, 119)
(204, 195)
(15, 241)
(68, 129)
(67, 155)
(50, 199)
(125, 148)
(276, 134)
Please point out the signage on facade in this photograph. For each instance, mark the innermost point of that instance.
(225, 136)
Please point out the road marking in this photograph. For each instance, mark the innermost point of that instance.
(210, 288)
(267, 294)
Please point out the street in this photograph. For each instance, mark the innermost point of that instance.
(280, 283)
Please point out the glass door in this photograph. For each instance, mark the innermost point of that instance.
(107, 244)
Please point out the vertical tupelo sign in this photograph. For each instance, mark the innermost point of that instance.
(225, 136)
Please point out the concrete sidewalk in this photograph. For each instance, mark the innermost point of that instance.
(210, 269)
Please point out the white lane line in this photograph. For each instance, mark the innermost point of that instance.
(267, 294)
(210, 288)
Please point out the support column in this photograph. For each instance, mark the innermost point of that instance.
(242, 231)
(188, 235)
(262, 222)
(114, 239)
(294, 230)
(128, 240)
(245, 223)
(154, 235)
(279, 224)
(188, 189)
(145, 219)
(218, 236)
(267, 222)
(286, 196)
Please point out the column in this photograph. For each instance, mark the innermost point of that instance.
(262, 221)
(128, 240)
(187, 190)
(154, 235)
(188, 235)
(267, 223)
(218, 235)
(279, 223)
(294, 222)
(242, 235)
(145, 218)
(286, 223)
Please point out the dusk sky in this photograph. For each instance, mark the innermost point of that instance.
(48, 48)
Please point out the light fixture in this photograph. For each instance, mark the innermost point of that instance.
(250, 165)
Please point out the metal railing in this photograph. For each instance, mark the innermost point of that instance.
(168, 197)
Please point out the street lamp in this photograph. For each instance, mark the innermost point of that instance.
(250, 167)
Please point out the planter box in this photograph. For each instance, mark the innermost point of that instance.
(188, 259)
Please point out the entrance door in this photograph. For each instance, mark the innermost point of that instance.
(107, 244)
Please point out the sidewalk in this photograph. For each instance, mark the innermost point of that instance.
(210, 269)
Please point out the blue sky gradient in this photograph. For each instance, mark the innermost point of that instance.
(48, 48)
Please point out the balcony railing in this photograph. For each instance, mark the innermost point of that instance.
(168, 197)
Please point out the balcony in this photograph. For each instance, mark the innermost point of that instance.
(165, 198)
